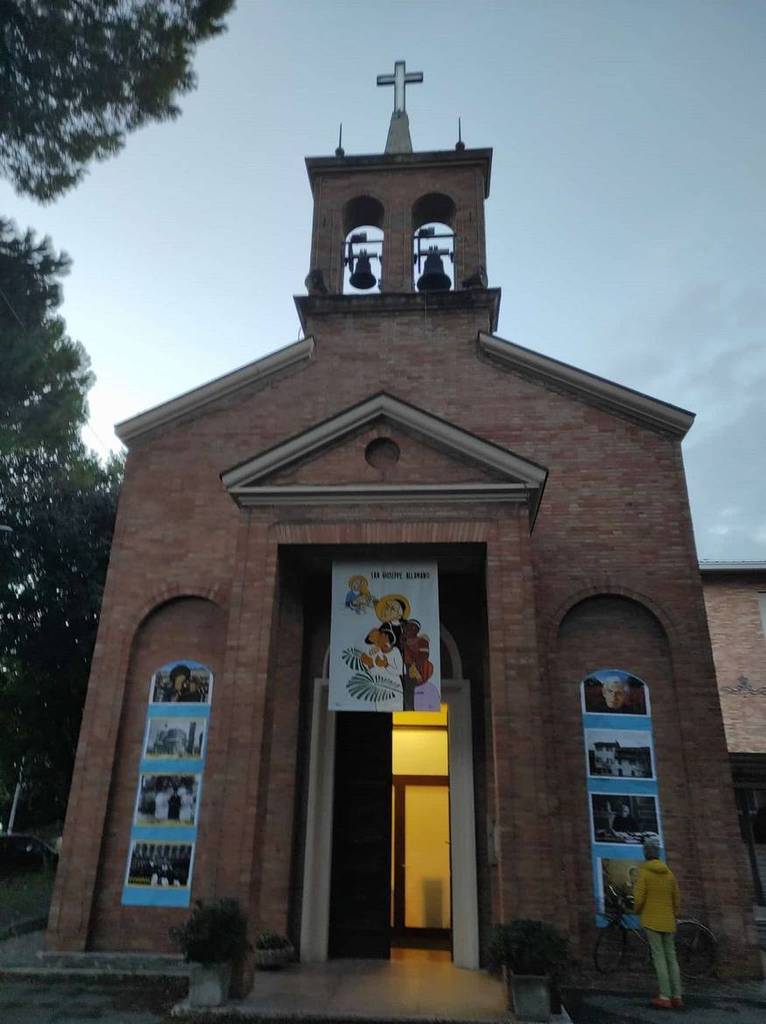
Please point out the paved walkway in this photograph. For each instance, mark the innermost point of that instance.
(338, 991)
(619, 1008)
(387, 990)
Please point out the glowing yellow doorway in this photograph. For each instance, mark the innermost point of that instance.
(420, 875)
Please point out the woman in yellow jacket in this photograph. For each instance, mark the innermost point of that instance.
(657, 900)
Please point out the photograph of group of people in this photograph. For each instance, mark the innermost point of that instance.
(614, 692)
(619, 754)
(181, 682)
(181, 738)
(160, 865)
(624, 818)
(167, 800)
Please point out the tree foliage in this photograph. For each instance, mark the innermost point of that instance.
(45, 376)
(61, 505)
(77, 75)
(59, 502)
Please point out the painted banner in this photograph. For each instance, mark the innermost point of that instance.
(384, 637)
(166, 812)
(623, 797)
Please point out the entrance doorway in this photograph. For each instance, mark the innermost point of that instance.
(459, 893)
(390, 879)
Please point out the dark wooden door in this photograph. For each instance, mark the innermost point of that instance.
(360, 895)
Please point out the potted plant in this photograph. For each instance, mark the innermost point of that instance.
(212, 939)
(272, 951)
(532, 956)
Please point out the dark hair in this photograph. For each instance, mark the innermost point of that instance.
(180, 670)
(385, 629)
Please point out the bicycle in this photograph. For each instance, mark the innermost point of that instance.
(696, 945)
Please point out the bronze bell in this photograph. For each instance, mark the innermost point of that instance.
(433, 278)
(362, 276)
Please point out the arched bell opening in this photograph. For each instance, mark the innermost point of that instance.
(362, 256)
(433, 243)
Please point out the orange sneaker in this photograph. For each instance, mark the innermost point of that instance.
(678, 1003)
(661, 1003)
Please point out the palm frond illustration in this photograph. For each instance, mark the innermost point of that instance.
(372, 687)
(353, 658)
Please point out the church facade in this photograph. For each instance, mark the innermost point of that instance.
(400, 429)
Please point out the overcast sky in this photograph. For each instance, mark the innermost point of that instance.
(626, 222)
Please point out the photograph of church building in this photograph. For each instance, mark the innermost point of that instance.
(549, 506)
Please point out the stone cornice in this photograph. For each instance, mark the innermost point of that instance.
(321, 166)
(392, 303)
(379, 494)
(744, 568)
(647, 410)
(222, 387)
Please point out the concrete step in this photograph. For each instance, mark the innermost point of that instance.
(123, 964)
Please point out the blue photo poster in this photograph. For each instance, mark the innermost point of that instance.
(166, 812)
(621, 772)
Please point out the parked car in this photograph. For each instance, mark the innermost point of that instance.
(20, 852)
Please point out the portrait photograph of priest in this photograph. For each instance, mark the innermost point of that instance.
(614, 692)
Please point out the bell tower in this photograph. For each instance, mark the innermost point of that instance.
(400, 223)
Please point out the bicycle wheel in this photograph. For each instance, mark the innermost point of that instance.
(609, 950)
(695, 949)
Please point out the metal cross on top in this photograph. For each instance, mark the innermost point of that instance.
(400, 80)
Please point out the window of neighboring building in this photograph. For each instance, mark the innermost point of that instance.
(762, 602)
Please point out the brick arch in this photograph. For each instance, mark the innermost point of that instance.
(434, 206)
(607, 590)
(173, 592)
(361, 209)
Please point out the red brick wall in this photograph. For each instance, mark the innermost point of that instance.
(614, 519)
(739, 649)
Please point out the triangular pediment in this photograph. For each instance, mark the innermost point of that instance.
(385, 450)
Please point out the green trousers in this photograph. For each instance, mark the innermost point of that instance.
(663, 947)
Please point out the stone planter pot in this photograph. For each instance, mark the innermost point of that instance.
(530, 997)
(209, 984)
(273, 959)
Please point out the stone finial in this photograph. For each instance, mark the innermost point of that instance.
(478, 279)
(315, 282)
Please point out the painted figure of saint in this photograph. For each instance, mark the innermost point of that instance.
(358, 596)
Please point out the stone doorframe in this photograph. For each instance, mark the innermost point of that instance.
(315, 916)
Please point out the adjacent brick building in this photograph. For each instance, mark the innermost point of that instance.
(554, 503)
(735, 598)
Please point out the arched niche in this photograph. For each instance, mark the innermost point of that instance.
(613, 629)
(434, 207)
(185, 627)
(604, 631)
(433, 229)
(362, 235)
